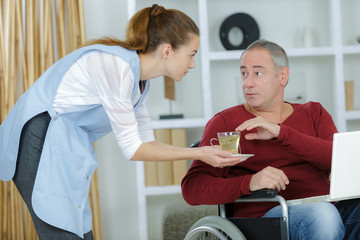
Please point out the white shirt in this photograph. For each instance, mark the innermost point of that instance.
(101, 78)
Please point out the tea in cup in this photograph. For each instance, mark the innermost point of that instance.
(229, 141)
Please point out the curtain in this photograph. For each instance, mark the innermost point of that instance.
(33, 35)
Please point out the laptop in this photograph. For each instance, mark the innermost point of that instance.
(345, 166)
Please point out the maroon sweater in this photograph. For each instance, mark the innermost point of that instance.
(302, 150)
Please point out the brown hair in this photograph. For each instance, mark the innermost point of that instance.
(153, 26)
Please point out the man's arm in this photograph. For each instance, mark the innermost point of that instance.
(204, 184)
(313, 144)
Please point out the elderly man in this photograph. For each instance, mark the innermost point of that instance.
(292, 144)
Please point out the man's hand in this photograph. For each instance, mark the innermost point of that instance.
(265, 129)
(269, 177)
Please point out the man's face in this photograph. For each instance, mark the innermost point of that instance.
(261, 87)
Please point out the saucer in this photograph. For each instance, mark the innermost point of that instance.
(244, 156)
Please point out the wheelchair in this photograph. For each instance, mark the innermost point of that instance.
(225, 227)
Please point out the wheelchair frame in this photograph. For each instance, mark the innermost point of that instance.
(227, 228)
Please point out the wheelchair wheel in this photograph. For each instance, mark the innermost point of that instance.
(214, 227)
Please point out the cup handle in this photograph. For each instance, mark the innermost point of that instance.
(212, 140)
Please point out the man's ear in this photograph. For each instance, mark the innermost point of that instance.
(284, 76)
(166, 50)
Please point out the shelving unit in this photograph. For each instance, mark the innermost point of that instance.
(320, 70)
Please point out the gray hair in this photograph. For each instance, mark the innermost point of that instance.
(277, 53)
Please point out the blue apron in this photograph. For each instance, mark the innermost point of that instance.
(68, 159)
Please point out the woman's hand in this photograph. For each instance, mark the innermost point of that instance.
(216, 157)
(265, 129)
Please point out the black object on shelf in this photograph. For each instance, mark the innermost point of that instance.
(246, 24)
(171, 116)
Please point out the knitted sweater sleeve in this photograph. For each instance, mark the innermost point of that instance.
(312, 143)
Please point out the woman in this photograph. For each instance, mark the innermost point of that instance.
(46, 141)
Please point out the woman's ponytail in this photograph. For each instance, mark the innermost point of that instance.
(153, 26)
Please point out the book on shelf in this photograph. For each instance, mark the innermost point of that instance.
(164, 174)
(151, 173)
(349, 95)
(167, 173)
(178, 138)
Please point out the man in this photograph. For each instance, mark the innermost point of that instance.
(292, 144)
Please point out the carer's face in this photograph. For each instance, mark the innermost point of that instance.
(183, 58)
(259, 83)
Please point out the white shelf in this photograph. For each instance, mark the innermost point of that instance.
(225, 55)
(292, 52)
(352, 115)
(310, 52)
(179, 123)
(355, 49)
(162, 190)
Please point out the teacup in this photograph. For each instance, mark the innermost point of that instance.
(229, 141)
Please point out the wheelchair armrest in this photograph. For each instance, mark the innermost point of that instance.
(262, 193)
(265, 195)
(195, 144)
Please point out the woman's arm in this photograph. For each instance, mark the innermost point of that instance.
(156, 151)
(151, 150)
